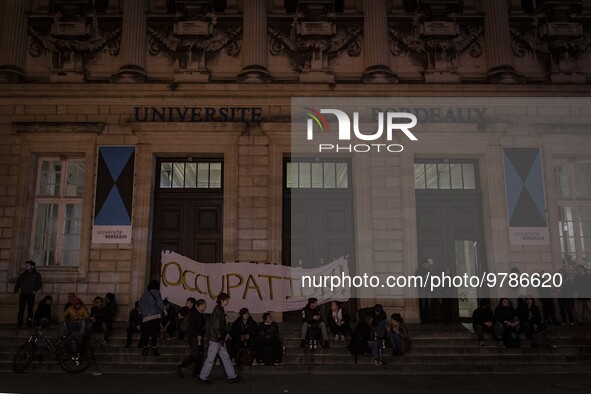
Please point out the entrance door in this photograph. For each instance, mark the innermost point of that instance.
(317, 213)
(318, 225)
(449, 230)
(188, 211)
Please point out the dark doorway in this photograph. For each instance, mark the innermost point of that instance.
(188, 211)
(450, 231)
(318, 225)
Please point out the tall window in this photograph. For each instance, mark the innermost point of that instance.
(574, 209)
(58, 212)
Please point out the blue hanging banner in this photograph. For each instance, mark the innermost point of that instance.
(526, 204)
(114, 195)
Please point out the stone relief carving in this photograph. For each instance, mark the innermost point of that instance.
(558, 53)
(439, 49)
(69, 52)
(312, 53)
(555, 38)
(191, 52)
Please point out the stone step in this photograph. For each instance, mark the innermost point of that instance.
(363, 367)
(420, 333)
(500, 356)
(287, 342)
(9, 350)
(444, 349)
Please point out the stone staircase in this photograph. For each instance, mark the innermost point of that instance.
(437, 349)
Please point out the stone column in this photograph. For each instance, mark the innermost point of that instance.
(134, 43)
(13, 41)
(375, 43)
(497, 36)
(254, 42)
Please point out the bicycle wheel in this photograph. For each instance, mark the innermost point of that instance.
(76, 362)
(23, 357)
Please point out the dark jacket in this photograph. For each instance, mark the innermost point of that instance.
(217, 329)
(308, 316)
(43, 311)
(531, 316)
(378, 315)
(135, 318)
(196, 324)
(482, 315)
(100, 315)
(28, 282)
(111, 308)
(240, 328)
(267, 333)
(361, 336)
(405, 341)
(505, 313)
(344, 316)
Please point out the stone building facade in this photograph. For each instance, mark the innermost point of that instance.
(209, 82)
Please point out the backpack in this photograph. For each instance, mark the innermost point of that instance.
(245, 357)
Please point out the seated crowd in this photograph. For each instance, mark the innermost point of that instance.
(248, 342)
(508, 324)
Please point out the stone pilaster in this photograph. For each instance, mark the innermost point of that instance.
(375, 36)
(13, 41)
(134, 43)
(497, 48)
(254, 43)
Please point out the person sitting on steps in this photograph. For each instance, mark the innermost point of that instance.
(483, 320)
(312, 319)
(338, 321)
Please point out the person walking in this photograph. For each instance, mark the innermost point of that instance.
(195, 332)
(216, 334)
(28, 282)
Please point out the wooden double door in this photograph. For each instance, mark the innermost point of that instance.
(189, 224)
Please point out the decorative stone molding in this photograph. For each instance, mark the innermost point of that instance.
(69, 53)
(559, 52)
(560, 40)
(439, 51)
(191, 52)
(57, 127)
(311, 54)
(313, 39)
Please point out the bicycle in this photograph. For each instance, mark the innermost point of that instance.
(73, 357)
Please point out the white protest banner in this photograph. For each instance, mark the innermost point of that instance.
(258, 287)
